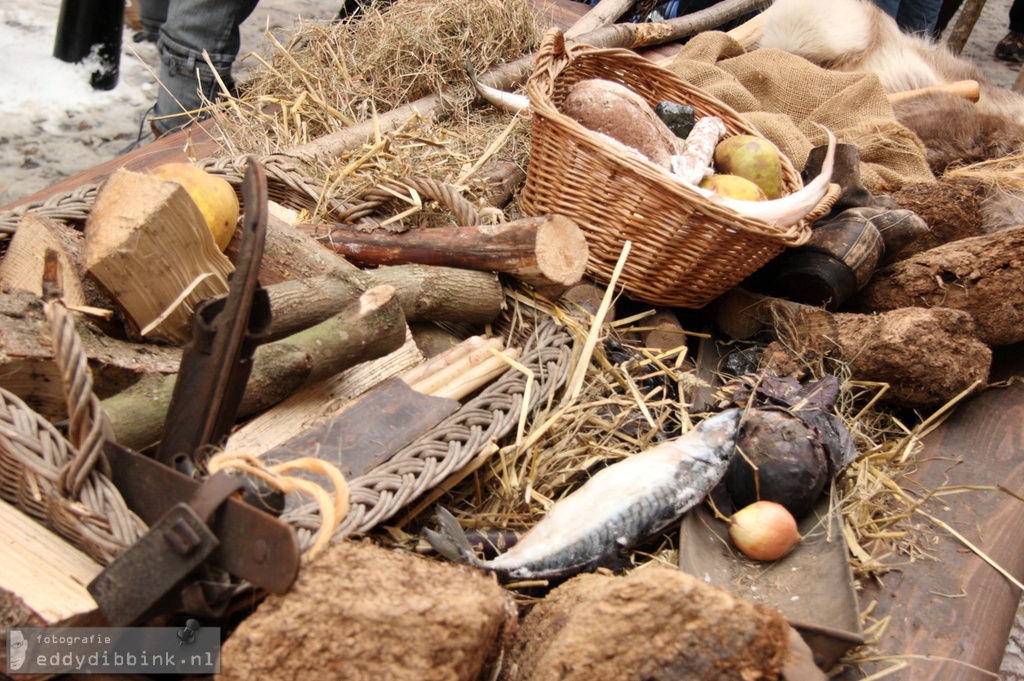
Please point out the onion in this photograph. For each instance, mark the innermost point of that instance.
(764, 530)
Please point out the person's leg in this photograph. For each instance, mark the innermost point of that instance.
(918, 16)
(193, 26)
(1017, 16)
(1011, 47)
(890, 7)
(153, 14)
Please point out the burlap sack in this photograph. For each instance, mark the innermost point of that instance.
(780, 94)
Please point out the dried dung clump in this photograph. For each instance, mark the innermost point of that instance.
(655, 624)
(926, 356)
(952, 209)
(981, 276)
(363, 612)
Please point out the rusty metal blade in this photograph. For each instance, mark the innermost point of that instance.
(369, 430)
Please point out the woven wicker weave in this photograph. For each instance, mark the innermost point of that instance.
(686, 250)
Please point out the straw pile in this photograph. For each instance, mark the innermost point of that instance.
(329, 76)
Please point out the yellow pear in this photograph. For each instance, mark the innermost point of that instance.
(733, 187)
(753, 158)
(213, 195)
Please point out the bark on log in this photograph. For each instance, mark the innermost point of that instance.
(547, 252)
(289, 254)
(30, 371)
(662, 331)
(424, 294)
(981, 276)
(371, 327)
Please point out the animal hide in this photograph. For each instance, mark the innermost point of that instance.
(855, 35)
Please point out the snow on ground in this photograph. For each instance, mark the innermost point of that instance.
(54, 125)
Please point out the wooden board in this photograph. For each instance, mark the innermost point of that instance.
(951, 617)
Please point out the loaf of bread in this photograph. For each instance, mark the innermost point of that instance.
(611, 109)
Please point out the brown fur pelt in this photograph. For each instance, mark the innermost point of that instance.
(955, 131)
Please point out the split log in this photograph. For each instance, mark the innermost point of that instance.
(369, 611)
(43, 580)
(424, 293)
(31, 372)
(981, 275)
(22, 265)
(369, 328)
(600, 627)
(546, 252)
(926, 356)
(147, 244)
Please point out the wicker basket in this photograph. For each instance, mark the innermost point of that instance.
(686, 250)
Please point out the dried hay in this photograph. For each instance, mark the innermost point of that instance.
(329, 76)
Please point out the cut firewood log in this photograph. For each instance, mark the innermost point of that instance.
(30, 371)
(147, 244)
(662, 331)
(424, 293)
(370, 327)
(546, 252)
(981, 275)
(42, 583)
(926, 356)
(586, 297)
(22, 265)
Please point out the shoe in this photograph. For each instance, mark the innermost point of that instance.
(1011, 48)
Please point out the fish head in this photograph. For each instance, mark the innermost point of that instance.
(717, 435)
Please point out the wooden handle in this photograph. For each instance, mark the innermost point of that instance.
(968, 89)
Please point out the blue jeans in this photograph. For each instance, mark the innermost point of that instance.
(193, 26)
(913, 16)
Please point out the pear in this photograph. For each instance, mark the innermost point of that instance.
(213, 195)
(733, 187)
(753, 158)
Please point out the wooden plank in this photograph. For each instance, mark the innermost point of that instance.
(42, 583)
(951, 617)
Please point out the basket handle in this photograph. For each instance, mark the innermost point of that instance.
(551, 60)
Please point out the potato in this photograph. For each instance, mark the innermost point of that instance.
(614, 110)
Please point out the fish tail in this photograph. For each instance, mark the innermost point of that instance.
(451, 542)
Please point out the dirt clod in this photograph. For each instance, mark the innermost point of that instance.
(655, 624)
(363, 612)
